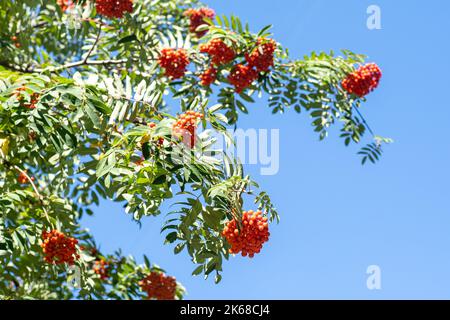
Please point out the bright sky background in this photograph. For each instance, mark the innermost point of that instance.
(337, 216)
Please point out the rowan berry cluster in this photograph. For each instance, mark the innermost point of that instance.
(242, 76)
(159, 286)
(219, 51)
(186, 126)
(160, 141)
(197, 18)
(174, 62)
(59, 248)
(208, 77)
(16, 42)
(259, 60)
(34, 98)
(113, 8)
(262, 57)
(23, 179)
(362, 81)
(101, 267)
(253, 233)
(65, 4)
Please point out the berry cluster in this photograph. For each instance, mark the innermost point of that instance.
(33, 98)
(65, 4)
(139, 162)
(113, 8)
(16, 41)
(262, 56)
(160, 142)
(159, 286)
(219, 52)
(208, 77)
(174, 62)
(23, 179)
(242, 76)
(253, 234)
(185, 127)
(197, 18)
(58, 248)
(362, 81)
(101, 268)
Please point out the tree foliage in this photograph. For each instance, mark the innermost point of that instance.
(78, 93)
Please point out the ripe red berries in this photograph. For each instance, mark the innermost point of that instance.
(65, 4)
(185, 127)
(23, 179)
(113, 8)
(58, 248)
(101, 268)
(362, 81)
(242, 76)
(253, 234)
(174, 62)
(197, 18)
(160, 141)
(208, 77)
(34, 98)
(219, 52)
(159, 286)
(262, 57)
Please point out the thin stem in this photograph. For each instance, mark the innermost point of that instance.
(82, 62)
(95, 43)
(364, 120)
(39, 196)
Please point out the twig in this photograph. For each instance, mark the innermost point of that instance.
(81, 63)
(95, 43)
(40, 197)
(364, 120)
(14, 67)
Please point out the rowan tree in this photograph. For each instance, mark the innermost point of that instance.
(114, 100)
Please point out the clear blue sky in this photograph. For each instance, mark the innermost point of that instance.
(337, 216)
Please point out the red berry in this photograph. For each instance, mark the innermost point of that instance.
(160, 140)
(262, 57)
(362, 81)
(208, 77)
(58, 248)
(159, 286)
(174, 62)
(253, 234)
(113, 8)
(242, 77)
(65, 4)
(197, 18)
(22, 178)
(186, 126)
(218, 50)
(101, 268)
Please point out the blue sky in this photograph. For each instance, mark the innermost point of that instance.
(337, 216)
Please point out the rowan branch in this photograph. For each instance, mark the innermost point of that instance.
(84, 63)
(39, 196)
(364, 120)
(95, 43)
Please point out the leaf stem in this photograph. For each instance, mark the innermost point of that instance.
(39, 196)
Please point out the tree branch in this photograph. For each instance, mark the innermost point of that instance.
(39, 196)
(10, 66)
(364, 120)
(94, 44)
(83, 63)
